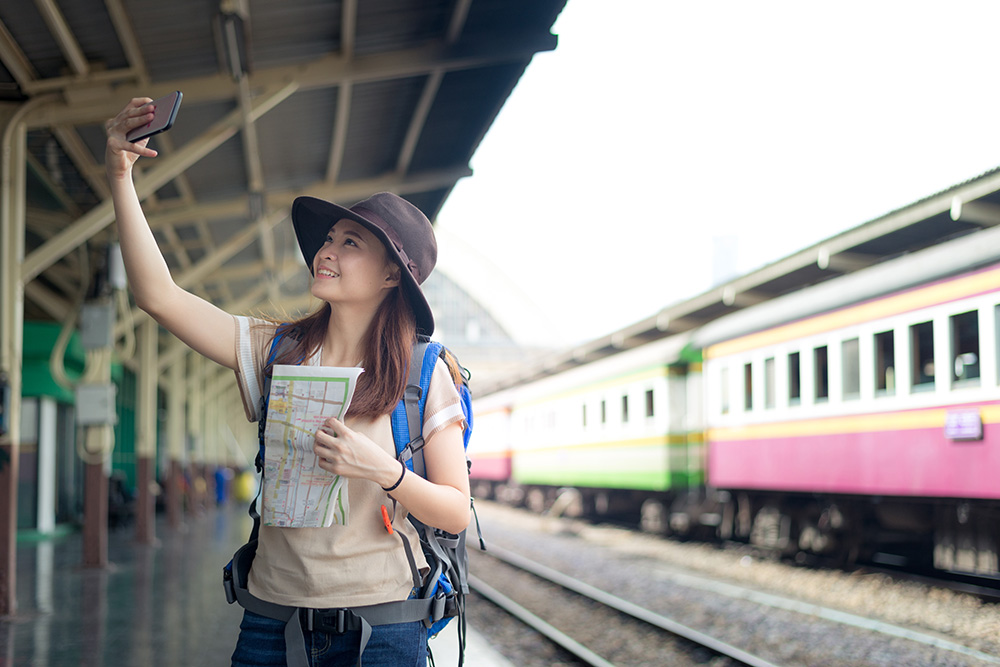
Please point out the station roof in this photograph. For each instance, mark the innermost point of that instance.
(956, 211)
(335, 99)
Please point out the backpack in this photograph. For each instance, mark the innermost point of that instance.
(442, 592)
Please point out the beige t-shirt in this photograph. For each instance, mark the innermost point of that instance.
(340, 566)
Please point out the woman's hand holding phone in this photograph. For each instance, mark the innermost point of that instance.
(120, 153)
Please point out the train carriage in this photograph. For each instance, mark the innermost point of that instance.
(863, 415)
(618, 431)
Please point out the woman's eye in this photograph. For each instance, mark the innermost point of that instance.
(350, 242)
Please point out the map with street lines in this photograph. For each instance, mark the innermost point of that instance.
(297, 492)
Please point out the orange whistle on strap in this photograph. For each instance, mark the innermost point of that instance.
(385, 519)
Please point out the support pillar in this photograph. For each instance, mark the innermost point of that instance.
(95, 515)
(196, 425)
(145, 433)
(13, 160)
(175, 443)
(98, 422)
(47, 445)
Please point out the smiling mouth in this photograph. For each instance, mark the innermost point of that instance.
(327, 273)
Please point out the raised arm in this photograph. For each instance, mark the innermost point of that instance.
(205, 328)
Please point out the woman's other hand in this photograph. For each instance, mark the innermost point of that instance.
(351, 454)
(120, 154)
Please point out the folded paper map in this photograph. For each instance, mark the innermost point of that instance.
(297, 492)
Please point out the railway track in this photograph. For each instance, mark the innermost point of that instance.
(600, 602)
(791, 616)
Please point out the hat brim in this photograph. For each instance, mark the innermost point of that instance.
(312, 219)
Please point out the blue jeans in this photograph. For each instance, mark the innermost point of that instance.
(262, 644)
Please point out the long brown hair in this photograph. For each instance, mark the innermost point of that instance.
(388, 346)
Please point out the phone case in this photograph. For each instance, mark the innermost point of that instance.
(163, 119)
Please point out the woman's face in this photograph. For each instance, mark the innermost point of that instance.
(353, 266)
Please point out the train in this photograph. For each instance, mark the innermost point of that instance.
(852, 420)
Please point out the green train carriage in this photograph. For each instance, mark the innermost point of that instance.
(620, 437)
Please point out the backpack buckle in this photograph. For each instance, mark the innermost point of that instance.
(228, 585)
(330, 621)
(438, 606)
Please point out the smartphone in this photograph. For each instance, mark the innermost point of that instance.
(163, 117)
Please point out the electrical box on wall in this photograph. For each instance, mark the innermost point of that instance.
(95, 404)
(97, 324)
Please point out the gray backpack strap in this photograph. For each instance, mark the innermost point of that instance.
(414, 570)
(411, 399)
(295, 643)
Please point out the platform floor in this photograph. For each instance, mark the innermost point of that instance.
(159, 605)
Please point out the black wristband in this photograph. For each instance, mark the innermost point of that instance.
(398, 481)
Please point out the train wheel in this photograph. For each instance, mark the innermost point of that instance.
(536, 501)
(482, 489)
(653, 517)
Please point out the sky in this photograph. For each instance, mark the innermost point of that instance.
(659, 130)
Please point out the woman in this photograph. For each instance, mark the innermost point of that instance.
(368, 263)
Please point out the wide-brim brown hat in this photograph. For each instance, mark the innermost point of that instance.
(403, 229)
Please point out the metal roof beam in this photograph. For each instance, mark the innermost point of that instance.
(84, 160)
(427, 96)
(249, 301)
(345, 191)
(209, 211)
(14, 59)
(457, 23)
(128, 39)
(253, 270)
(187, 195)
(64, 36)
(54, 188)
(419, 119)
(325, 72)
(340, 123)
(348, 27)
(47, 300)
(101, 215)
(982, 213)
(845, 262)
(210, 263)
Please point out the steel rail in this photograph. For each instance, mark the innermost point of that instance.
(537, 623)
(624, 607)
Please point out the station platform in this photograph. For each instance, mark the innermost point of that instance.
(157, 605)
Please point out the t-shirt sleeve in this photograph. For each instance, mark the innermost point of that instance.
(443, 406)
(252, 337)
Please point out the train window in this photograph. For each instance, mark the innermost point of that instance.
(850, 366)
(794, 379)
(922, 355)
(649, 403)
(769, 382)
(625, 409)
(724, 385)
(965, 347)
(822, 373)
(604, 411)
(885, 364)
(585, 415)
(747, 387)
